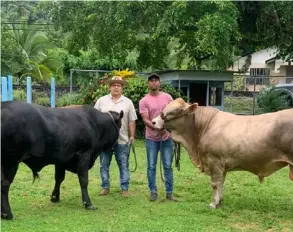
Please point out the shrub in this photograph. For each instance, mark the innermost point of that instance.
(64, 99)
(270, 99)
(19, 95)
(43, 101)
(42, 98)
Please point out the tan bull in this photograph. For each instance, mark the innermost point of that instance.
(219, 142)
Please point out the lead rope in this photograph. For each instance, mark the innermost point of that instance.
(176, 154)
(132, 148)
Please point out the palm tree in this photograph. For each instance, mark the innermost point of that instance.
(25, 49)
(31, 54)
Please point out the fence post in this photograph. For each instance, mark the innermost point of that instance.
(52, 92)
(4, 89)
(10, 88)
(70, 86)
(29, 90)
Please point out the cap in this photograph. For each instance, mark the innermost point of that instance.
(153, 75)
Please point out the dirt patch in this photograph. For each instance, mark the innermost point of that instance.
(245, 226)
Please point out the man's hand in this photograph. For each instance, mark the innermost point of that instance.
(161, 131)
(131, 139)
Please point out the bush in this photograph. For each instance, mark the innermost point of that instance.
(64, 99)
(43, 101)
(270, 99)
(19, 95)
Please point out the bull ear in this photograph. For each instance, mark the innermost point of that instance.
(121, 114)
(191, 108)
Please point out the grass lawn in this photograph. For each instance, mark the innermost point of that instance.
(248, 205)
(240, 105)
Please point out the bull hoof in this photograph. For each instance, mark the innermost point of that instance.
(6, 216)
(91, 207)
(55, 199)
(212, 206)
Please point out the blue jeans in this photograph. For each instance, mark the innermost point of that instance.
(121, 152)
(166, 149)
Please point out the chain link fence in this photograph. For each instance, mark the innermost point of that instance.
(241, 96)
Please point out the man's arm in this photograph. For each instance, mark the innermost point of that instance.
(132, 127)
(131, 118)
(144, 112)
(147, 121)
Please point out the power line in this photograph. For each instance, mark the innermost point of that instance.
(19, 29)
(29, 24)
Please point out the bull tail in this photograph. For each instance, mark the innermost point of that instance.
(35, 175)
(34, 171)
(290, 171)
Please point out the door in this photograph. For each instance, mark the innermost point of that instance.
(198, 93)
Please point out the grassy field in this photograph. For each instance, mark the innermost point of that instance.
(240, 105)
(248, 205)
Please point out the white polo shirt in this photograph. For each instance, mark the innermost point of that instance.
(106, 103)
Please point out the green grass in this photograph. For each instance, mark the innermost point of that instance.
(240, 105)
(248, 205)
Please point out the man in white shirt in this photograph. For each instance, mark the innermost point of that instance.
(115, 101)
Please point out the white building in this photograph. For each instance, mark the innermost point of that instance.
(263, 66)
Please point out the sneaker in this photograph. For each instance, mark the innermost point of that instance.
(104, 192)
(171, 197)
(125, 193)
(153, 196)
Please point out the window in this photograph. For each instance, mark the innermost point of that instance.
(259, 76)
(215, 96)
(259, 72)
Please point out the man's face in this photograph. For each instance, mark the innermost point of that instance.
(154, 84)
(116, 89)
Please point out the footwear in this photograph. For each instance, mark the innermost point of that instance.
(170, 197)
(104, 192)
(153, 196)
(125, 193)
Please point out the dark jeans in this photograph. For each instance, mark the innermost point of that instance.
(166, 149)
(121, 152)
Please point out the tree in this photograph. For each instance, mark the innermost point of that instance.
(26, 51)
(202, 30)
(205, 31)
(16, 11)
(25, 47)
(265, 24)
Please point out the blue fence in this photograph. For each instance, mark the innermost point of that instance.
(7, 90)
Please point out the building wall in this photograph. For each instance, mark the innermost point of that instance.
(278, 68)
(258, 60)
(197, 75)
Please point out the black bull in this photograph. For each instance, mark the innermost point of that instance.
(69, 138)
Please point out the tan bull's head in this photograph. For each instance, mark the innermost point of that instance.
(175, 110)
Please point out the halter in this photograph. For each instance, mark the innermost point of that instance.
(165, 118)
